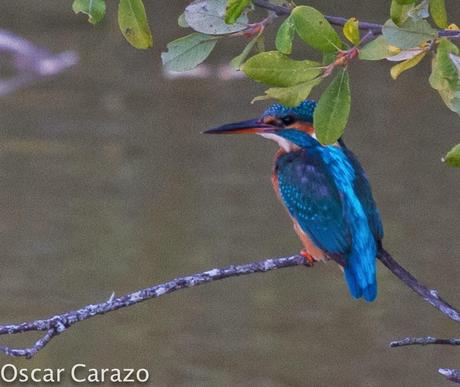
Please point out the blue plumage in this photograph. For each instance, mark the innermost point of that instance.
(313, 200)
(364, 192)
(303, 111)
(327, 192)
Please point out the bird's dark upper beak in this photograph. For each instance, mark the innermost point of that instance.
(249, 126)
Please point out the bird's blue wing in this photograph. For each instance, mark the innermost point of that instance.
(364, 192)
(313, 200)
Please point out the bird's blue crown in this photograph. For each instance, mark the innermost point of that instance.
(303, 111)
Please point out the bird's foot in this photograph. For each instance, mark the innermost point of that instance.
(309, 260)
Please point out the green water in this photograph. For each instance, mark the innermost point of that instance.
(107, 185)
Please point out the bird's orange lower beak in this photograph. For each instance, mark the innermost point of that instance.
(249, 126)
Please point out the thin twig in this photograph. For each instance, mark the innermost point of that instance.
(450, 374)
(281, 10)
(423, 341)
(340, 21)
(430, 296)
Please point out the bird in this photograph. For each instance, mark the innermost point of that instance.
(326, 193)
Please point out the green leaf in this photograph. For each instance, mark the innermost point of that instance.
(376, 49)
(133, 23)
(188, 52)
(410, 34)
(351, 30)
(451, 99)
(398, 69)
(444, 75)
(275, 69)
(398, 12)
(331, 113)
(237, 61)
(181, 22)
(208, 17)
(234, 10)
(444, 72)
(290, 96)
(285, 36)
(95, 9)
(452, 158)
(314, 29)
(439, 13)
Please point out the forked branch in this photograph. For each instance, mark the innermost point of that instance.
(58, 324)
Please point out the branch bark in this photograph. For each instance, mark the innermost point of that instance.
(430, 296)
(423, 341)
(58, 324)
(450, 374)
(433, 298)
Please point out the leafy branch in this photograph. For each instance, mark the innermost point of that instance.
(406, 37)
(416, 30)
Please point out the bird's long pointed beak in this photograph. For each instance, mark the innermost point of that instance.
(249, 126)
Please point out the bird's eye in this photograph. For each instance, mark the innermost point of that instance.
(288, 120)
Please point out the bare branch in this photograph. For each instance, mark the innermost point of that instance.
(60, 323)
(430, 296)
(423, 341)
(30, 62)
(280, 10)
(433, 298)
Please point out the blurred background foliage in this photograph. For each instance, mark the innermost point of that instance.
(109, 186)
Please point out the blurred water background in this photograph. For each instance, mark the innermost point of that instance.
(107, 185)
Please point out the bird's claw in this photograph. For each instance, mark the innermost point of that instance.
(309, 260)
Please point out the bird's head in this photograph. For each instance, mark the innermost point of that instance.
(291, 128)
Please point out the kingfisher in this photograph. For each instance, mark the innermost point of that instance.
(325, 191)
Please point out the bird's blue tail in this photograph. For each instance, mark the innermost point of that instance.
(360, 273)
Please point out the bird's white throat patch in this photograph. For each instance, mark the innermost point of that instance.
(286, 145)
